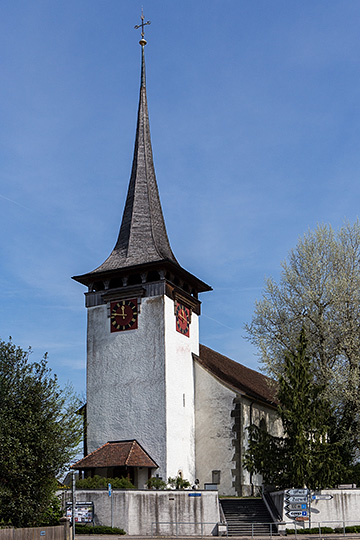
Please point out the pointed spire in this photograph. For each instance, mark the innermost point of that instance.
(143, 241)
(142, 237)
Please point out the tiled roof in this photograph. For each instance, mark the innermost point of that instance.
(242, 379)
(117, 454)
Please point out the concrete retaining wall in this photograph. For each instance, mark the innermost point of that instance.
(344, 507)
(146, 512)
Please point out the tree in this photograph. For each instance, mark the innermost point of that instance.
(39, 433)
(319, 290)
(304, 456)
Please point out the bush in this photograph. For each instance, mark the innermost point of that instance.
(156, 483)
(313, 530)
(179, 482)
(100, 482)
(352, 529)
(97, 529)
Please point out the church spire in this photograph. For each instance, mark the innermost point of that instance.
(142, 238)
(143, 244)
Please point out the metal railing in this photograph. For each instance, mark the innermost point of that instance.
(334, 524)
(176, 524)
(273, 528)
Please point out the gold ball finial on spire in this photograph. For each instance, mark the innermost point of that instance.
(137, 26)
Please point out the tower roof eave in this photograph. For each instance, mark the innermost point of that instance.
(165, 264)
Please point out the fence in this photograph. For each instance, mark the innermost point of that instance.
(321, 525)
(61, 532)
(176, 528)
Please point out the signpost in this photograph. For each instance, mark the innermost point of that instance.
(297, 504)
(111, 499)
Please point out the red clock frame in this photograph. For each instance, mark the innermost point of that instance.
(183, 319)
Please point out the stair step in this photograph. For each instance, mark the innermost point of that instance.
(247, 516)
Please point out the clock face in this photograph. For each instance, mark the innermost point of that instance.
(123, 315)
(182, 315)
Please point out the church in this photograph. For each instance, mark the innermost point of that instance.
(158, 402)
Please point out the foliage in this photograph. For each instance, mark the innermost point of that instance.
(303, 457)
(39, 433)
(52, 514)
(97, 529)
(319, 290)
(313, 530)
(99, 482)
(178, 482)
(156, 483)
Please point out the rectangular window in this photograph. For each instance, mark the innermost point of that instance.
(216, 477)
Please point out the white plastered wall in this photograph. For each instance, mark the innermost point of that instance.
(126, 380)
(214, 430)
(180, 417)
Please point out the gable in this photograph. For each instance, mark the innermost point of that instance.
(117, 454)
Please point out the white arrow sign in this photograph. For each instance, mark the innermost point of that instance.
(296, 499)
(296, 513)
(322, 497)
(297, 491)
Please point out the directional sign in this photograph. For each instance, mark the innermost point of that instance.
(297, 491)
(296, 513)
(296, 506)
(295, 499)
(321, 497)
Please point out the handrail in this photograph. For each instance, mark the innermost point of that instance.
(269, 503)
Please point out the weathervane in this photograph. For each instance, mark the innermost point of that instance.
(137, 26)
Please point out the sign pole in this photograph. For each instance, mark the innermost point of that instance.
(111, 503)
(73, 506)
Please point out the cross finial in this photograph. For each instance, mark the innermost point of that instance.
(137, 26)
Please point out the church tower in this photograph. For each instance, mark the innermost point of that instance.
(142, 327)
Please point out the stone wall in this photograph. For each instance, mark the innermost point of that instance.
(344, 507)
(145, 512)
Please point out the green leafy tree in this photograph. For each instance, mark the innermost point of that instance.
(39, 434)
(319, 290)
(304, 456)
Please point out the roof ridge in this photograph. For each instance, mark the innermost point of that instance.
(91, 453)
(235, 362)
(130, 451)
(235, 375)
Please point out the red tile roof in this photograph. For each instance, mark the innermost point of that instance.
(242, 379)
(117, 454)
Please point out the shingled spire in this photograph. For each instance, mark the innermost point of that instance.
(142, 238)
(143, 241)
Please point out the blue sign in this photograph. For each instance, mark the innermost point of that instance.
(109, 488)
(194, 494)
(304, 513)
(303, 506)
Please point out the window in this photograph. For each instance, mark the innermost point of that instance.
(216, 477)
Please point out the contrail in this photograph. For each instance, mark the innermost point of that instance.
(12, 201)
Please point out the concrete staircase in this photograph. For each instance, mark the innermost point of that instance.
(247, 517)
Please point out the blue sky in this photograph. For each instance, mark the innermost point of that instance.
(255, 122)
